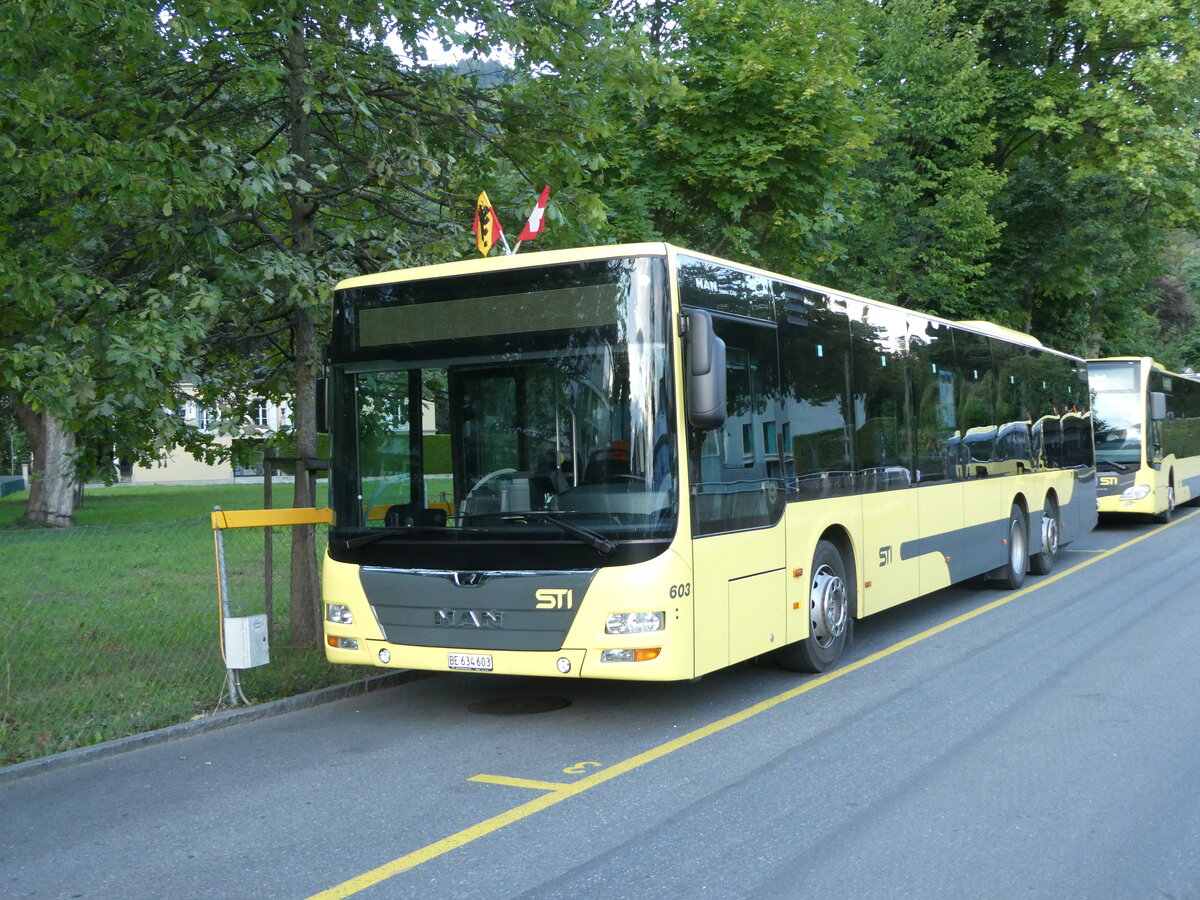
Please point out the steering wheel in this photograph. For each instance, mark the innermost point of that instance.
(498, 473)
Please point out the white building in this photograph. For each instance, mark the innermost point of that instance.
(180, 467)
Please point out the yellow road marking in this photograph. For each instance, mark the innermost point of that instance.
(561, 792)
(580, 768)
(519, 782)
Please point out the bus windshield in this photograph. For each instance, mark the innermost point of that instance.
(478, 415)
(1118, 413)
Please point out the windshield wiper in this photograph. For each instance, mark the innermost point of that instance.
(597, 541)
(379, 534)
(1115, 466)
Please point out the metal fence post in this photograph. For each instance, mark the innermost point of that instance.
(231, 677)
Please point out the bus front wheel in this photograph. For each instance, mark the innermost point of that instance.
(830, 601)
(1165, 516)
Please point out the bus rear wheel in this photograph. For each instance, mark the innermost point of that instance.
(1012, 573)
(830, 601)
(1042, 562)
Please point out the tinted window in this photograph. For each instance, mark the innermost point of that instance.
(738, 469)
(934, 392)
(818, 432)
(883, 441)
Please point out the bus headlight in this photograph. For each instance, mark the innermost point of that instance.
(635, 623)
(1137, 492)
(336, 612)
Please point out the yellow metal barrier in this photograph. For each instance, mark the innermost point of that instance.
(223, 519)
(267, 518)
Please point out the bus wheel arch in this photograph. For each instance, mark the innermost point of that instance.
(832, 603)
(1047, 544)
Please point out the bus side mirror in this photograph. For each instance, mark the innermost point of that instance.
(705, 371)
(322, 405)
(1158, 406)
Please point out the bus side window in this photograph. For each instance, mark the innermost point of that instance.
(737, 468)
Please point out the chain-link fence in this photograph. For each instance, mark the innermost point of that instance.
(112, 631)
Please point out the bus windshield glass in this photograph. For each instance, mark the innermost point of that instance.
(478, 419)
(1118, 412)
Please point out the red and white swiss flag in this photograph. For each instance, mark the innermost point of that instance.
(537, 218)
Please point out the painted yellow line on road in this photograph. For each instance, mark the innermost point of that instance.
(563, 792)
(519, 782)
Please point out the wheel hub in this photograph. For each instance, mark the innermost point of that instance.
(1016, 546)
(1050, 535)
(828, 606)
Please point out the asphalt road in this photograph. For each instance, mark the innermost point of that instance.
(1042, 743)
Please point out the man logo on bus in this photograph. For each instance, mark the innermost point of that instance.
(555, 598)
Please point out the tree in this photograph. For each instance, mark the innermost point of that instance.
(340, 157)
(189, 183)
(92, 248)
(1096, 126)
(749, 149)
(921, 232)
(1177, 308)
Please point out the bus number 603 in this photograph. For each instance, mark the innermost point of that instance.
(680, 590)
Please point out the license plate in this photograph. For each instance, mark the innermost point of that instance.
(475, 662)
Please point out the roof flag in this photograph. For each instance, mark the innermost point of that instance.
(537, 218)
(487, 227)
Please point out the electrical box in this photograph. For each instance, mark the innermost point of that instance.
(246, 642)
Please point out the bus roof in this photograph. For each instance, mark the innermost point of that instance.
(503, 263)
(661, 249)
(1001, 331)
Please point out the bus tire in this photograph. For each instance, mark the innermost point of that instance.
(1165, 516)
(830, 601)
(1042, 562)
(1012, 573)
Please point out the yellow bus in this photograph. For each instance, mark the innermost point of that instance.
(640, 462)
(1147, 423)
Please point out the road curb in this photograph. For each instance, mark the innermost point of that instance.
(221, 719)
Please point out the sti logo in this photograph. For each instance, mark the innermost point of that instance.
(554, 598)
(1108, 479)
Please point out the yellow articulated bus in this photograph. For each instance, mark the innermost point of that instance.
(1147, 423)
(640, 462)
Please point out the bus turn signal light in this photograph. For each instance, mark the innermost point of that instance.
(644, 655)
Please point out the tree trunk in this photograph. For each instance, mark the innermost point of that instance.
(305, 599)
(52, 478)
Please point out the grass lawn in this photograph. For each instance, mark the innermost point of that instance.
(139, 504)
(111, 626)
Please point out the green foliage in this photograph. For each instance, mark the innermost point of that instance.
(1097, 132)
(749, 148)
(922, 230)
(93, 242)
(183, 191)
